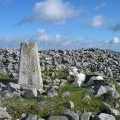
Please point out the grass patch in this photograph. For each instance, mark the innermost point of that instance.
(60, 74)
(53, 106)
(47, 73)
(4, 76)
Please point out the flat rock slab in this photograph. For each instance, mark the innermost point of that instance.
(29, 66)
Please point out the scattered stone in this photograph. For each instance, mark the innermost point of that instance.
(66, 94)
(85, 116)
(40, 119)
(13, 87)
(57, 118)
(104, 116)
(2, 87)
(3, 114)
(52, 91)
(102, 61)
(94, 80)
(87, 98)
(40, 91)
(70, 105)
(112, 111)
(79, 79)
(70, 115)
(100, 90)
(7, 94)
(23, 116)
(72, 70)
(30, 93)
(112, 91)
(31, 117)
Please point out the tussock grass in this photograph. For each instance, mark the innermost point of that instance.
(55, 105)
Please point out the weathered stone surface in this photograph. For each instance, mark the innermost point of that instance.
(30, 93)
(29, 67)
(31, 117)
(70, 114)
(104, 116)
(85, 116)
(3, 114)
(105, 62)
(100, 90)
(52, 91)
(40, 119)
(13, 87)
(57, 118)
(92, 80)
(70, 105)
(79, 79)
(112, 111)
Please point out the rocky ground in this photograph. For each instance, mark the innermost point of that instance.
(60, 99)
(105, 62)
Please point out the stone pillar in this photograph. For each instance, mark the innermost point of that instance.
(29, 66)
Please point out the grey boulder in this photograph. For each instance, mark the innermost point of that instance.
(31, 117)
(30, 93)
(57, 118)
(104, 116)
(70, 115)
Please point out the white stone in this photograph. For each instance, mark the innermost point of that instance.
(79, 79)
(71, 105)
(96, 78)
(3, 114)
(104, 116)
(102, 90)
(13, 86)
(99, 78)
(72, 70)
(29, 66)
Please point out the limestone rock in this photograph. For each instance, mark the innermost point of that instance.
(57, 118)
(104, 116)
(79, 79)
(31, 117)
(29, 67)
(52, 91)
(70, 114)
(85, 116)
(30, 93)
(3, 114)
(100, 90)
(13, 87)
(70, 105)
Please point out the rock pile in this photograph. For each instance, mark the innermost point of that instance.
(103, 90)
(105, 62)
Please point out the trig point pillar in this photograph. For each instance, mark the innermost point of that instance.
(29, 66)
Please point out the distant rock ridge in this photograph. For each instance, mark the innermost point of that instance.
(106, 62)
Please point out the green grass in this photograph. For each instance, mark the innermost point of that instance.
(47, 73)
(4, 76)
(60, 74)
(17, 106)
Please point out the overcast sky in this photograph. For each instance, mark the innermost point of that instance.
(64, 24)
